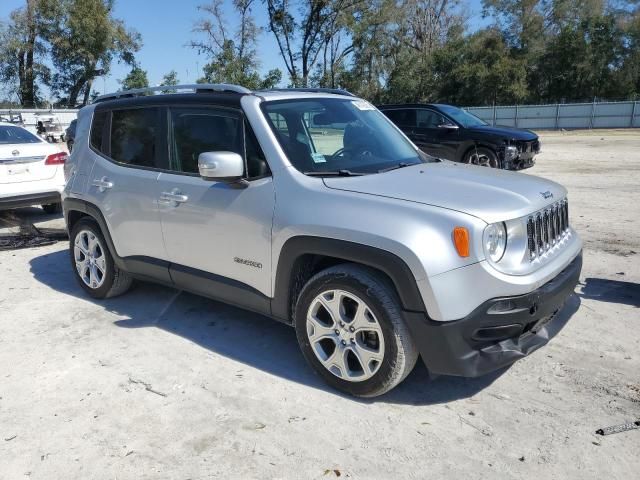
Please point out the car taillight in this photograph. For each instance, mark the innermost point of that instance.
(56, 159)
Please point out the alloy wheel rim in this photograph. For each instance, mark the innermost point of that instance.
(345, 335)
(481, 160)
(90, 260)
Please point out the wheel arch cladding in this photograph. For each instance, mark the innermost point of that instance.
(76, 209)
(302, 257)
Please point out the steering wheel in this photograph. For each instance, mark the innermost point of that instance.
(355, 153)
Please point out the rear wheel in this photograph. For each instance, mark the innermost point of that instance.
(350, 329)
(483, 157)
(93, 264)
(52, 208)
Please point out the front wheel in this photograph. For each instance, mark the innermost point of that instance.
(350, 328)
(483, 157)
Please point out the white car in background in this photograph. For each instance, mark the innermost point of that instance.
(31, 170)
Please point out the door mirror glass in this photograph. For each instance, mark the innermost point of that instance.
(221, 166)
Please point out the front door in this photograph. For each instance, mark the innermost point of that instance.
(214, 229)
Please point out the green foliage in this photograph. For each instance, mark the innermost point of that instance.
(232, 57)
(23, 49)
(137, 78)
(78, 38)
(84, 41)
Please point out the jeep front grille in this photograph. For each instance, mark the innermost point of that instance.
(546, 228)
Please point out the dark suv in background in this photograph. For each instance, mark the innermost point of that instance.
(452, 133)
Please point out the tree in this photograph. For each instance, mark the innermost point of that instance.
(232, 57)
(170, 79)
(137, 78)
(301, 40)
(85, 40)
(22, 49)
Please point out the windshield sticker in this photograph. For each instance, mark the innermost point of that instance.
(362, 105)
(318, 158)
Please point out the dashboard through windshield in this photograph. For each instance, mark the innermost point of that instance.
(333, 136)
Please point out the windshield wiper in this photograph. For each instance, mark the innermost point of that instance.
(397, 166)
(335, 173)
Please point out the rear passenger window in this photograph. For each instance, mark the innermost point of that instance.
(196, 131)
(97, 131)
(402, 117)
(134, 134)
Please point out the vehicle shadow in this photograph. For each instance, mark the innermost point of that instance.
(612, 291)
(250, 338)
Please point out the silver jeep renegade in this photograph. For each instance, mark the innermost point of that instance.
(310, 207)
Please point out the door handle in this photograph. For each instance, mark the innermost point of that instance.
(102, 183)
(173, 196)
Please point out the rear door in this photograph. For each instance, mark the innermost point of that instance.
(131, 152)
(23, 155)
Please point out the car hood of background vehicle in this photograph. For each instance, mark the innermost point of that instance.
(489, 194)
(508, 132)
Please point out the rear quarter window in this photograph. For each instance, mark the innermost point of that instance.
(98, 131)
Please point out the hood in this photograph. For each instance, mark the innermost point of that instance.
(489, 194)
(509, 132)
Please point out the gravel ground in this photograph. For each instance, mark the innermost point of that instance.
(162, 384)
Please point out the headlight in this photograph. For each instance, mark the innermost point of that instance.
(494, 241)
(510, 152)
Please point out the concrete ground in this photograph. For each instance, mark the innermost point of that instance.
(163, 384)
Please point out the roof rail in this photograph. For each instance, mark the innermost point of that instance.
(335, 91)
(195, 87)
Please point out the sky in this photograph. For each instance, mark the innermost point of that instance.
(165, 26)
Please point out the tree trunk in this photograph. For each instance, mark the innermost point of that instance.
(75, 92)
(27, 83)
(87, 92)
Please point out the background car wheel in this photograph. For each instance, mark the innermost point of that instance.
(350, 328)
(52, 208)
(483, 157)
(93, 264)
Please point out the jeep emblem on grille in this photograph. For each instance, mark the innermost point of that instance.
(15, 153)
(546, 194)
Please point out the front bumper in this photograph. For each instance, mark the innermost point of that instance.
(497, 333)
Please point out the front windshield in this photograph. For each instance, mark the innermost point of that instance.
(338, 135)
(464, 118)
(15, 135)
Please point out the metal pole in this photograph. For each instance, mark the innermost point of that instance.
(557, 116)
(593, 110)
(516, 116)
(494, 114)
(633, 113)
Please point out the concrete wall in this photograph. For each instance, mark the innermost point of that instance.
(567, 116)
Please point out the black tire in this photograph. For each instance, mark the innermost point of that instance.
(482, 156)
(116, 281)
(52, 208)
(400, 352)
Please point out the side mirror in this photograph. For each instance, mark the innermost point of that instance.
(448, 126)
(221, 167)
